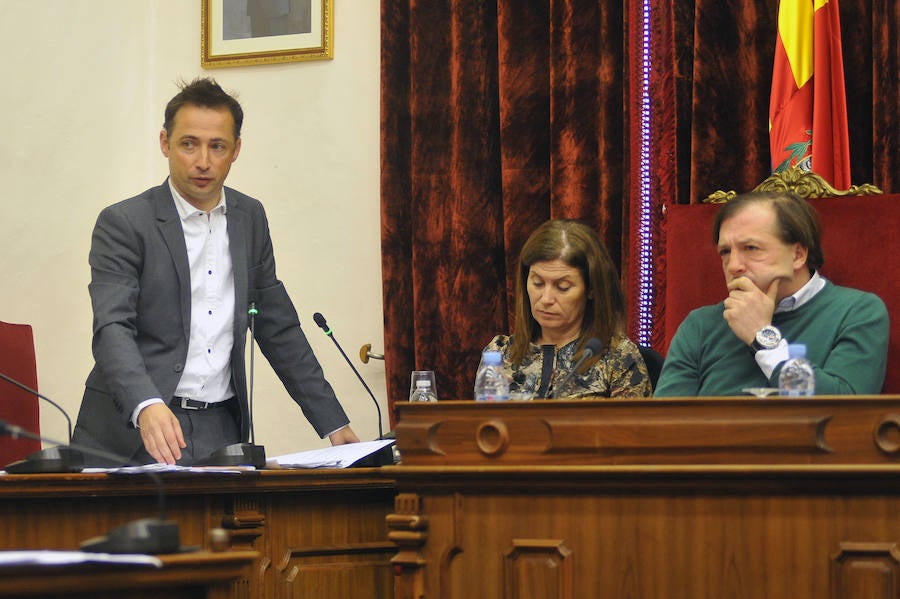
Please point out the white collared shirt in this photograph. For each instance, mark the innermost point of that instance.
(207, 369)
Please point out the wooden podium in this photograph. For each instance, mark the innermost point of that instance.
(190, 576)
(317, 533)
(694, 498)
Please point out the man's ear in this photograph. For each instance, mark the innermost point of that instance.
(164, 142)
(237, 149)
(801, 254)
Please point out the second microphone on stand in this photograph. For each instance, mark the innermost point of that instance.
(242, 454)
(320, 320)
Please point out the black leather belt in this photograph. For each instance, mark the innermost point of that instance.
(192, 404)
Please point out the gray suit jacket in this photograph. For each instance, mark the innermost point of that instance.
(141, 295)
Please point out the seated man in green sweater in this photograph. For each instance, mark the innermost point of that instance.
(770, 250)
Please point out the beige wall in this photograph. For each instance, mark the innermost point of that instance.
(82, 87)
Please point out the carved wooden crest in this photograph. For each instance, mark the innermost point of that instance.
(802, 183)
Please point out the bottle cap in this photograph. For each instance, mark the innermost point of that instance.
(797, 350)
(491, 358)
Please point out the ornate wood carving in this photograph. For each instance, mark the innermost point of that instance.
(887, 434)
(492, 437)
(245, 521)
(799, 182)
(408, 530)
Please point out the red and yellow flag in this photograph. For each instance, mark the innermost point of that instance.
(808, 105)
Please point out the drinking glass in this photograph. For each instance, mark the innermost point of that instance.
(417, 375)
(761, 392)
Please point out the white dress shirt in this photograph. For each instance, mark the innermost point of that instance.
(207, 370)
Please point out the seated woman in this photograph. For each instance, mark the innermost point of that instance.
(568, 292)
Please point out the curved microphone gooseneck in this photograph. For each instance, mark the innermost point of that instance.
(592, 347)
(52, 459)
(320, 320)
(149, 535)
(44, 397)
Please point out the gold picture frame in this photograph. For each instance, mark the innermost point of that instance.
(251, 32)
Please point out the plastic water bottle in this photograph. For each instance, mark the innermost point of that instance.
(492, 381)
(797, 378)
(423, 391)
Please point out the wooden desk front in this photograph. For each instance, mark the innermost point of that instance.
(658, 498)
(194, 575)
(319, 533)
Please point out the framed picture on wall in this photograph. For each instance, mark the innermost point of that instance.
(248, 32)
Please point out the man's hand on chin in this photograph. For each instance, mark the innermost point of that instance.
(748, 309)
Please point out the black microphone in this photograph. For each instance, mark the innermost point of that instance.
(242, 454)
(591, 348)
(320, 320)
(52, 459)
(147, 535)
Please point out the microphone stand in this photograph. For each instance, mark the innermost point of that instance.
(592, 347)
(59, 459)
(147, 535)
(242, 454)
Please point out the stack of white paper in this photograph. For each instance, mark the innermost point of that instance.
(338, 456)
(59, 558)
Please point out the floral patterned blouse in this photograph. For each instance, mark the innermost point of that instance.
(620, 371)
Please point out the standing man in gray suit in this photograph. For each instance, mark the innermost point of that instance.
(174, 271)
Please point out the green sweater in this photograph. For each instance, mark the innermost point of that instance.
(846, 337)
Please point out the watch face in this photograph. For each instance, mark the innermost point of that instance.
(768, 337)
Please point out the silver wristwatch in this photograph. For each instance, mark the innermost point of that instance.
(767, 337)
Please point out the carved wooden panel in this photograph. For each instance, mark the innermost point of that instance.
(538, 569)
(683, 545)
(866, 570)
(669, 499)
(338, 571)
(821, 430)
(330, 521)
(330, 548)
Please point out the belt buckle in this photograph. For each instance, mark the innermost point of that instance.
(186, 406)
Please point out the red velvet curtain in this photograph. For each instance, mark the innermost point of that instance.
(499, 114)
(496, 115)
